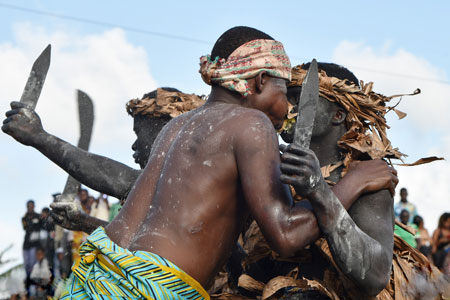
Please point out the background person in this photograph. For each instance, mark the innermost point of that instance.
(31, 223)
(424, 239)
(100, 208)
(441, 241)
(40, 276)
(405, 235)
(405, 204)
(47, 235)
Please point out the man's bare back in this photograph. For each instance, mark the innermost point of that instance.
(211, 168)
(196, 208)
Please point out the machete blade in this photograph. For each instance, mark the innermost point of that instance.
(86, 117)
(307, 105)
(36, 79)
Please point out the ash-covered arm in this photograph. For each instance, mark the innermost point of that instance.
(97, 172)
(362, 246)
(363, 253)
(70, 215)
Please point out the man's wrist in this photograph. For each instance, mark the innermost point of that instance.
(356, 182)
(39, 139)
(320, 192)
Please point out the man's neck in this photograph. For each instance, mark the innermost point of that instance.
(220, 94)
(404, 200)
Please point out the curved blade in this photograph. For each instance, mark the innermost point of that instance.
(307, 104)
(86, 117)
(36, 79)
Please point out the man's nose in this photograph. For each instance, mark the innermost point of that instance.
(133, 147)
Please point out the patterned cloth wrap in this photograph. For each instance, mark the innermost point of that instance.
(107, 271)
(245, 62)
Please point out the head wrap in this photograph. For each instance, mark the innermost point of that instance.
(365, 119)
(245, 62)
(169, 104)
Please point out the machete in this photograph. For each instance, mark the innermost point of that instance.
(36, 79)
(86, 116)
(306, 107)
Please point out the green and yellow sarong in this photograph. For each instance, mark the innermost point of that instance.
(107, 271)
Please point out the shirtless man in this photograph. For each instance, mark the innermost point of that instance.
(95, 171)
(208, 170)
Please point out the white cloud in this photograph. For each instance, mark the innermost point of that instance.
(106, 66)
(420, 133)
(429, 109)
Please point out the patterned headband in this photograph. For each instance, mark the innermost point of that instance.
(245, 62)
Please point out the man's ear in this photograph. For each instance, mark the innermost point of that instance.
(260, 81)
(339, 116)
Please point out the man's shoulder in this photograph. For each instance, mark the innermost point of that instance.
(398, 204)
(249, 119)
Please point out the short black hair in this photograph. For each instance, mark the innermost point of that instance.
(30, 201)
(417, 219)
(403, 190)
(46, 210)
(404, 211)
(153, 93)
(235, 37)
(335, 70)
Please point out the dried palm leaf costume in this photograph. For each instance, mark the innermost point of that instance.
(107, 271)
(166, 104)
(365, 138)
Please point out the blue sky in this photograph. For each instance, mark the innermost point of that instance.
(377, 40)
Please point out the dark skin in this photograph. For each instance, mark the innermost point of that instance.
(100, 173)
(404, 217)
(367, 228)
(404, 196)
(211, 168)
(303, 217)
(95, 171)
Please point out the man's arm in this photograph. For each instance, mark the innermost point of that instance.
(288, 227)
(365, 257)
(97, 172)
(373, 214)
(71, 216)
(363, 177)
(24, 223)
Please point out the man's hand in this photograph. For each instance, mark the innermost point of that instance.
(22, 123)
(374, 175)
(301, 169)
(69, 215)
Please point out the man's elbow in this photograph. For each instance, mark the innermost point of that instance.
(286, 247)
(377, 278)
(375, 285)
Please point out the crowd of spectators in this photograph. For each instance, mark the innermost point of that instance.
(435, 247)
(49, 251)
